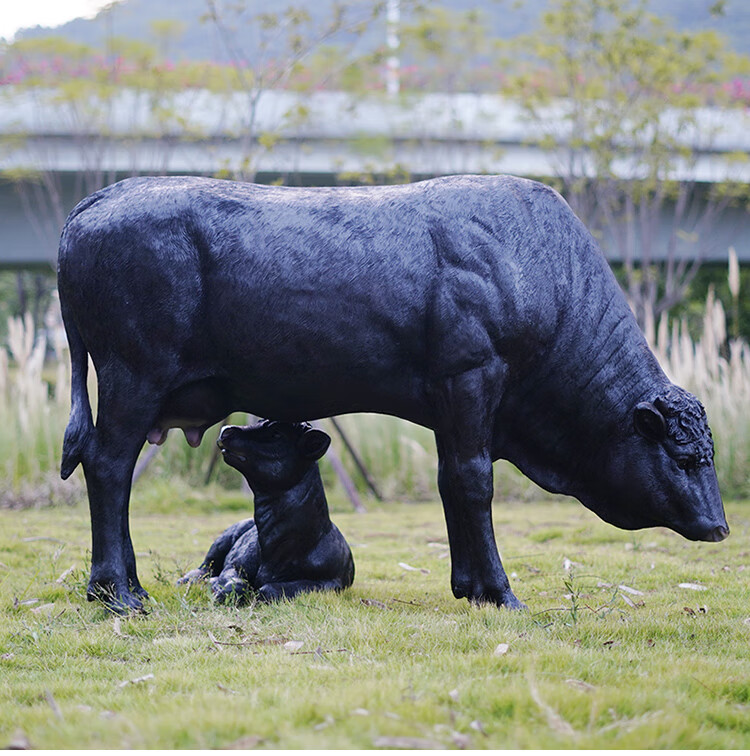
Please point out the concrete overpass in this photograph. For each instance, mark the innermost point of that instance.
(305, 139)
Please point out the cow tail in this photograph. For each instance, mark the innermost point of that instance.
(81, 424)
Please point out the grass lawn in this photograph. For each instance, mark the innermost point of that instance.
(613, 653)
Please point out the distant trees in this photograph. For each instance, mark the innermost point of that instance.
(92, 107)
(107, 101)
(82, 116)
(124, 109)
(620, 99)
(286, 52)
(447, 50)
(623, 103)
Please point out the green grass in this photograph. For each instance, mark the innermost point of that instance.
(393, 659)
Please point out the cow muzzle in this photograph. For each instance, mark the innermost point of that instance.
(717, 534)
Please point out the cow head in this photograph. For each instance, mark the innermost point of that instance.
(272, 456)
(659, 470)
(649, 463)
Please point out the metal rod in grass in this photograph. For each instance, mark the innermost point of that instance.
(357, 460)
(343, 476)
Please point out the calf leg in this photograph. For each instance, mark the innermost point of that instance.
(241, 564)
(215, 559)
(230, 585)
(464, 432)
(277, 591)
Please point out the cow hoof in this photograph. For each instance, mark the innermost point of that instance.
(117, 602)
(140, 592)
(505, 599)
(512, 603)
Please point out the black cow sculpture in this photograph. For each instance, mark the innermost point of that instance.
(477, 306)
(291, 546)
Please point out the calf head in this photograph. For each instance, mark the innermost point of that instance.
(660, 471)
(272, 456)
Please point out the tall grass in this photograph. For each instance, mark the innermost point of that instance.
(32, 417)
(717, 370)
(401, 457)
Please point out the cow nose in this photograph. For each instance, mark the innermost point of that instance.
(719, 533)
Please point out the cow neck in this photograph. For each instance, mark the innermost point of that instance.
(571, 405)
(616, 368)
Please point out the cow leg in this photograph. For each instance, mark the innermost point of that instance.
(464, 435)
(113, 570)
(124, 417)
(130, 567)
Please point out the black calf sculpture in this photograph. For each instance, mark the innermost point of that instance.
(291, 546)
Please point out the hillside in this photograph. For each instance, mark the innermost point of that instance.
(505, 18)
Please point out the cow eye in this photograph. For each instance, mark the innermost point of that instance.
(686, 463)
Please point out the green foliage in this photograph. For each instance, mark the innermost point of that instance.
(86, 84)
(334, 67)
(445, 49)
(613, 653)
(615, 93)
(620, 67)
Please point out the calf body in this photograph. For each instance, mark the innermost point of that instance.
(479, 307)
(291, 546)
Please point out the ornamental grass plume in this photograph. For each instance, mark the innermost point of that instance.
(734, 290)
(29, 392)
(33, 414)
(716, 368)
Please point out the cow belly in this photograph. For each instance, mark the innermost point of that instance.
(198, 405)
(319, 394)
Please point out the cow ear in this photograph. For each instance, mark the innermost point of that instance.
(313, 443)
(649, 422)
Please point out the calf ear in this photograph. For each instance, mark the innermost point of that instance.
(649, 422)
(313, 443)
